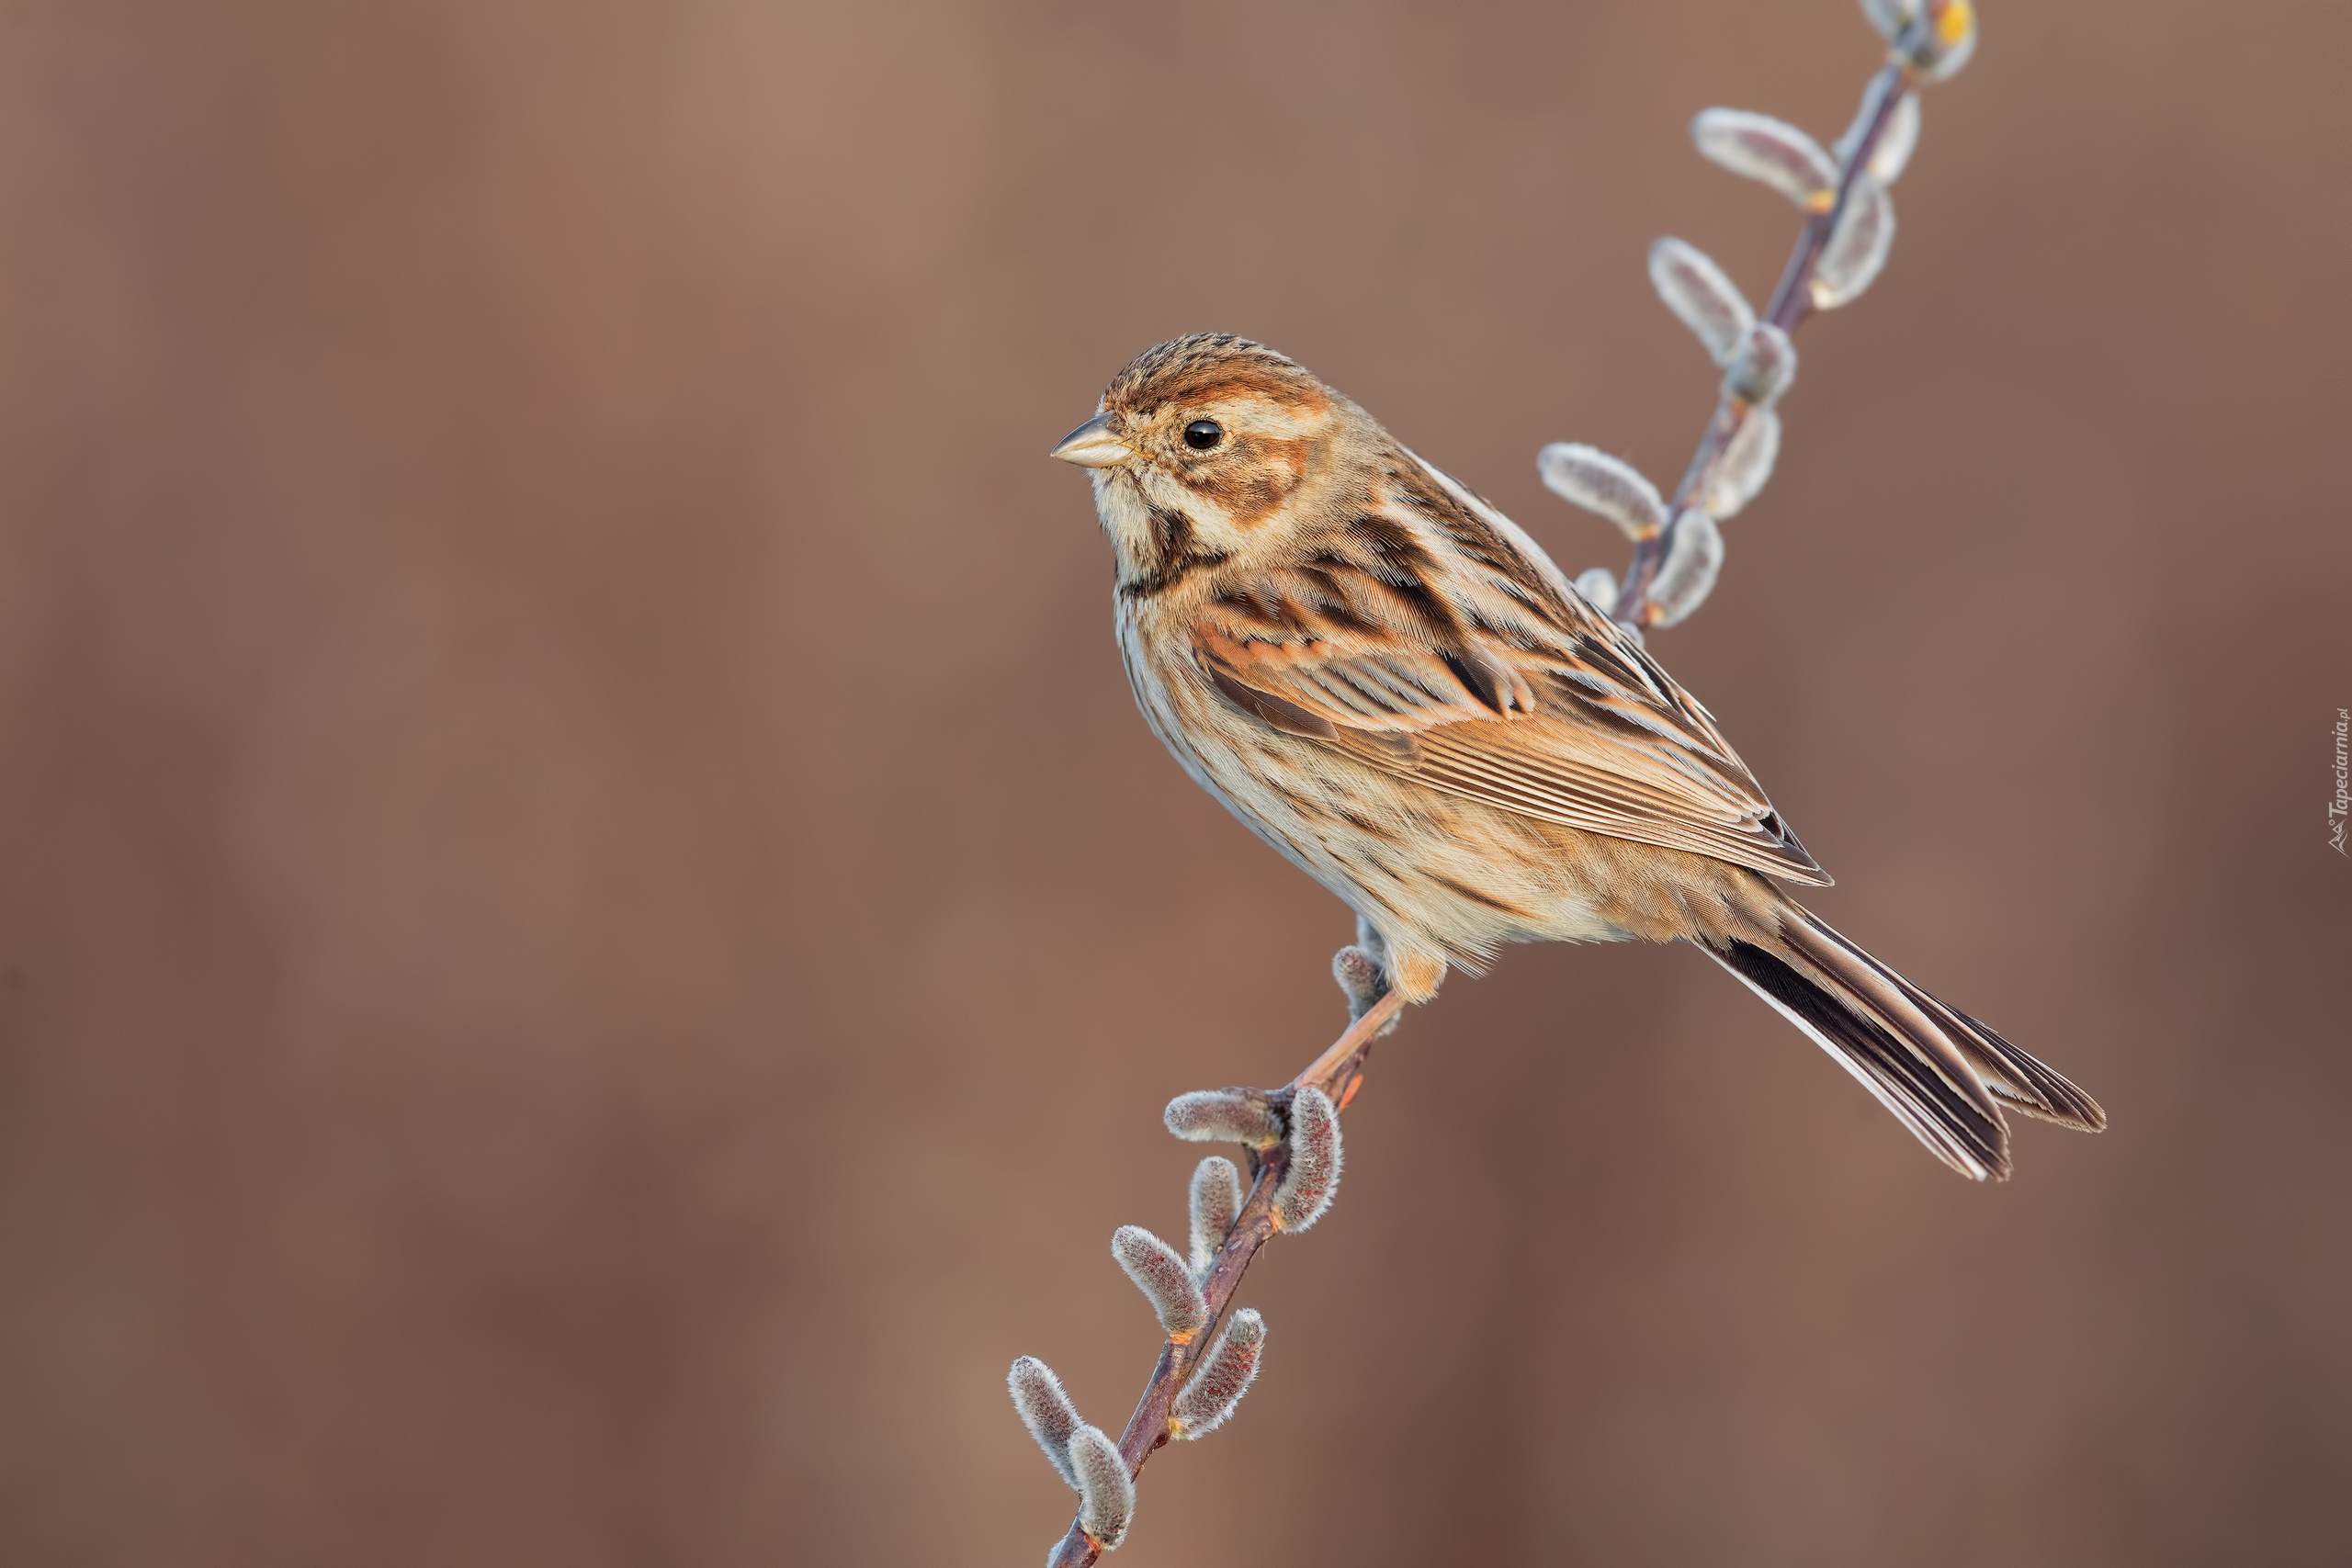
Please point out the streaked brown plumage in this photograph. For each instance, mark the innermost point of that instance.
(1395, 687)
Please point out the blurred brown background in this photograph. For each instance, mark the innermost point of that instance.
(590, 943)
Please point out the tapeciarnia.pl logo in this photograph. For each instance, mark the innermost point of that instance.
(2336, 809)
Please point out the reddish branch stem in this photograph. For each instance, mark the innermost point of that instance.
(1792, 302)
(1336, 1072)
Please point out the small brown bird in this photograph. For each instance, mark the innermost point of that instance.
(1395, 687)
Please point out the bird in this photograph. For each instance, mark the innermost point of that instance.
(1392, 684)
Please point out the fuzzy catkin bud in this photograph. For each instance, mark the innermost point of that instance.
(1771, 152)
(1162, 1278)
(1897, 138)
(1689, 574)
(1696, 290)
(1599, 585)
(1954, 23)
(1314, 1175)
(1610, 486)
(1936, 38)
(1896, 143)
(1217, 1389)
(1223, 1116)
(1746, 463)
(1046, 1410)
(1106, 1492)
(1763, 367)
(1850, 262)
(1216, 1203)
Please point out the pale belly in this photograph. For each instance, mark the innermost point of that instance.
(1434, 874)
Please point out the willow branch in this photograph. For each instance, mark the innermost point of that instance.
(1338, 1072)
(1792, 302)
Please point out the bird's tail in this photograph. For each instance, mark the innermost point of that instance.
(1945, 1076)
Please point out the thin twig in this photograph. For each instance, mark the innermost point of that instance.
(1337, 1072)
(1792, 303)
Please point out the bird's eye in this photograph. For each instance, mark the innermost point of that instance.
(1202, 433)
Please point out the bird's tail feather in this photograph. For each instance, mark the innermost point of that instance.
(1943, 1075)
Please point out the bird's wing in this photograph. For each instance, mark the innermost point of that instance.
(1444, 649)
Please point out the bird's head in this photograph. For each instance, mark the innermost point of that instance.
(1199, 447)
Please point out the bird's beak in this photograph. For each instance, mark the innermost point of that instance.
(1091, 446)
